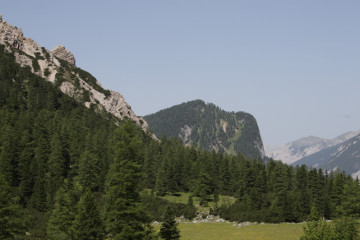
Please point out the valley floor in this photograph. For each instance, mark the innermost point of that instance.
(226, 231)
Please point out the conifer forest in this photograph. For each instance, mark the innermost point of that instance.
(71, 172)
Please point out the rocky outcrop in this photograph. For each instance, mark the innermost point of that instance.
(14, 37)
(185, 134)
(46, 64)
(61, 52)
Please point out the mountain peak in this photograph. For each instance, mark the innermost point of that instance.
(61, 52)
(209, 127)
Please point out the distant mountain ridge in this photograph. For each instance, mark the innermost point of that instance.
(344, 156)
(296, 150)
(206, 125)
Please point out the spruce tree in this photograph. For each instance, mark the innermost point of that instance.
(61, 219)
(56, 166)
(26, 174)
(10, 221)
(216, 200)
(125, 218)
(38, 198)
(89, 170)
(169, 228)
(161, 183)
(88, 224)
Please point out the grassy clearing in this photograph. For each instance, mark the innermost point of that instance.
(183, 197)
(225, 231)
(231, 149)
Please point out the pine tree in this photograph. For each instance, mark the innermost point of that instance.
(8, 155)
(161, 184)
(89, 170)
(202, 188)
(10, 223)
(125, 218)
(90, 166)
(61, 219)
(224, 177)
(216, 200)
(38, 198)
(350, 203)
(88, 224)
(169, 228)
(56, 166)
(25, 171)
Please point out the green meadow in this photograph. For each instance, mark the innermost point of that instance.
(225, 231)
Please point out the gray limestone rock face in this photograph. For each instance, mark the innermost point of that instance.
(30, 52)
(64, 54)
(11, 35)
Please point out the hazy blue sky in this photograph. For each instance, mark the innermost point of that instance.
(294, 65)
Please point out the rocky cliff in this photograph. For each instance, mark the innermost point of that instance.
(61, 52)
(58, 66)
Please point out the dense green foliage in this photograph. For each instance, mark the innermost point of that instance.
(169, 228)
(61, 163)
(277, 192)
(211, 127)
(344, 228)
(10, 225)
(156, 206)
(51, 149)
(88, 224)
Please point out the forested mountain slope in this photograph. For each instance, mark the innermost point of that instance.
(58, 66)
(209, 127)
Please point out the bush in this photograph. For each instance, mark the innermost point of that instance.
(46, 72)
(344, 228)
(35, 65)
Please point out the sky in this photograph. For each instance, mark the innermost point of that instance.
(294, 65)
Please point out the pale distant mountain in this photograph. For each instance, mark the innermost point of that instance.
(344, 156)
(296, 150)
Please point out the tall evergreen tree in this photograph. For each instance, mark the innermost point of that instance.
(38, 198)
(125, 218)
(8, 155)
(25, 172)
(10, 217)
(90, 170)
(57, 169)
(60, 224)
(88, 224)
(169, 228)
